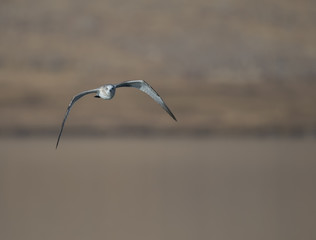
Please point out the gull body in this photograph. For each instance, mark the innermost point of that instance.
(107, 92)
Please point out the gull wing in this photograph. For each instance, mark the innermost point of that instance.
(146, 88)
(74, 99)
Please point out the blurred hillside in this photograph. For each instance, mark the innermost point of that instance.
(222, 66)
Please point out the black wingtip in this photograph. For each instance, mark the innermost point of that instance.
(58, 139)
(174, 118)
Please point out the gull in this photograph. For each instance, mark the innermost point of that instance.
(107, 92)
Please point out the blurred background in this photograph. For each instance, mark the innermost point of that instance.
(240, 76)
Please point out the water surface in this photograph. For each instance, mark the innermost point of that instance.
(157, 188)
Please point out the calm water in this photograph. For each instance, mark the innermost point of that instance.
(158, 189)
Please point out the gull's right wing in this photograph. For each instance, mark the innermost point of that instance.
(74, 99)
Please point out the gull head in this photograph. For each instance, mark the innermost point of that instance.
(107, 91)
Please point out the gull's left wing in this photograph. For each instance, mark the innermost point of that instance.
(146, 88)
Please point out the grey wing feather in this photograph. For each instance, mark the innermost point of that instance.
(146, 88)
(74, 99)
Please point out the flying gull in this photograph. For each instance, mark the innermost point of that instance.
(107, 92)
